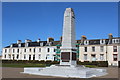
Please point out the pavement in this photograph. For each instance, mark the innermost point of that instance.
(9, 72)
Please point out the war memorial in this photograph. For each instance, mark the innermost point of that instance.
(68, 66)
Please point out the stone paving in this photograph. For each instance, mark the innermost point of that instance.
(8, 72)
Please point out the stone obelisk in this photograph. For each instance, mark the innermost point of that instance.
(68, 48)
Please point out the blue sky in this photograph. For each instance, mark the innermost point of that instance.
(33, 20)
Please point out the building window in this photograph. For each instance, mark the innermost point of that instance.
(114, 48)
(54, 50)
(48, 49)
(85, 48)
(102, 41)
(24, 50)
(5, 50)
(13, 56)
(13, 50)
(39, 56)
(29, 57)
(34, 50)
(101, 56)
(114, 57)
(85, 56)
(101, 48)
(5, 56)
(93, 57)
(17, 56)
(34, 57)
(17, 50)
(47, 56)
(39, 49)
(29, 50)
(9, 56)
(93, 49)
(24, 56)
(117, 40)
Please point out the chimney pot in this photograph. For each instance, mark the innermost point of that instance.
(110, 36)
(19, 41)
(50, 39)
(27, 40)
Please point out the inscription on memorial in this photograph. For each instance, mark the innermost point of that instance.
(65, 56)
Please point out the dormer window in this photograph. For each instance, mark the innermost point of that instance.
(41, 44)
(86, 42)
(116, 40)
(26, 44)
(19, 45)
(113, 40)
(102, 41)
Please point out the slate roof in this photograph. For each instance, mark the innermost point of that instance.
(94, 42)
(54, 43)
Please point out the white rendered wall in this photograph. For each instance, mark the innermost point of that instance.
(21, 53)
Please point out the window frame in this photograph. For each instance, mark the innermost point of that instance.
(115, 59)
(93, 48)
(114, 48)
(85, 59)
(85, 49)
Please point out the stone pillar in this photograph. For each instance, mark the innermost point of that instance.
(68, 48)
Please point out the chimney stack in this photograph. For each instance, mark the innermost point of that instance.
(19, 41)
(50, 39)
(110, 36)
(82, 39)
(38, 40)
(27, 40)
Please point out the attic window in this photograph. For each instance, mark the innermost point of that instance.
(102, 41)
(117, 40)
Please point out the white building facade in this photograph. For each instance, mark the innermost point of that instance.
(100, 50)
(89, 50)
(39, 50)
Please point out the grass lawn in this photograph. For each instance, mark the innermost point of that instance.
(21, 65)
(91, 66)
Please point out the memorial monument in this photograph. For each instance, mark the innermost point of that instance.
(67, 66)
(68, 48)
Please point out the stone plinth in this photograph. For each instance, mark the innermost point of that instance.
(66, 71)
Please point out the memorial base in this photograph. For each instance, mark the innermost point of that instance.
(66, 71)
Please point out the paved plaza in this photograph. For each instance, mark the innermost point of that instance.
(8, 72)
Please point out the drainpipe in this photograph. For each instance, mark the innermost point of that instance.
(106, 51)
